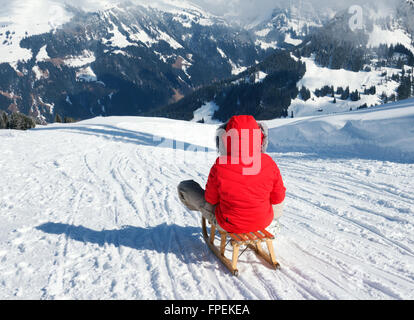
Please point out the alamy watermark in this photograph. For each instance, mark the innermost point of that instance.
(356, 22)
(235, 147)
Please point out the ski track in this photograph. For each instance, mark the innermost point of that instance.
(97, 216)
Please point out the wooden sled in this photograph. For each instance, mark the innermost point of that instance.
(252, 240)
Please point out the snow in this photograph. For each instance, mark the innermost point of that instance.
(260, 76)
(186, 12)
(97, 216)
(185, 22)
(18, 18)
(139, 35)
(266, 45)
(263, 33)
(86, 74)
(290, 40)
(86, 58)
(221, 52)
(173, 44)
(38, 73)
(42, 55)
(206, 113)
(384, 132)
(390, 37)
(50, 106)
(118, 39)
(121, 53)
(317, 77)
(235, 69)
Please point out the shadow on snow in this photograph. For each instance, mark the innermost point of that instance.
(184, 242)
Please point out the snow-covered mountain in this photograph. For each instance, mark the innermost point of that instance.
(123, 59)
(90, 210)
(352, 62)
(289, 26)
(135, 58)
(375, 61)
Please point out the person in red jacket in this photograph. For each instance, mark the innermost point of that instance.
(244, 190)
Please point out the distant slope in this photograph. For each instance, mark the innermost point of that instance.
(382, 132)
(264, 90)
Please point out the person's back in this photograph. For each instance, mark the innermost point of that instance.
(244, 184)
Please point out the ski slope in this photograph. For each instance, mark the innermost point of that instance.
(90, 211)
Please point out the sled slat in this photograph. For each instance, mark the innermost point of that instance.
(267, 234)
(257, 234)
(242, 236)
(235, 237)
(251, 237)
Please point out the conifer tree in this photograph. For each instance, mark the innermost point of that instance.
(4, 121)
(19, 121)
(345, 94)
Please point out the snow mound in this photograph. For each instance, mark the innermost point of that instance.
(385, 133)
(206, 112)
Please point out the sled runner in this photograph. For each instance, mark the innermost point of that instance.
(252, 240)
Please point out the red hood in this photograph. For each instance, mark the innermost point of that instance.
(244, 124)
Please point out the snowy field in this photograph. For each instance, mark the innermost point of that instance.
(17, 21)
(317, 77)
(90, 211)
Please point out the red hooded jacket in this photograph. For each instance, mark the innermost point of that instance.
(244, 201)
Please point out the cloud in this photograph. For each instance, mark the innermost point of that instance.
(252, 9)
(243, 11)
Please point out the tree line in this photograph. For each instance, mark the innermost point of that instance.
(16, 121)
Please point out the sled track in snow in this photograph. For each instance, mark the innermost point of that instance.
(99, 218)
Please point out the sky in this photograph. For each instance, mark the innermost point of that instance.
(239, 10)
(248, 10)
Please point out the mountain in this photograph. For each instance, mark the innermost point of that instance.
(123, 60)
(346, 68)
(264, 90)
(357, 68)
(288, 25)
(174, 58)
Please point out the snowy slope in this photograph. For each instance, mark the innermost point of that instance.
(90, 211)
(17, 21)
(384, 132)
(317, 77)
